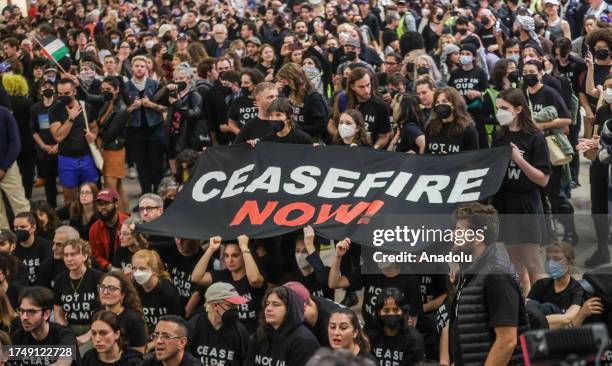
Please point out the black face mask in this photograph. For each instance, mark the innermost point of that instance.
(402, 13)
(410, 67)
(601, 54)
(230, 317)
(64, 100)
(245, 91)
(108, 96)
(439, 17)
(514, 76)
(462, 31)
(132, 45)
(422, 70)
(167, 202)
(517, 33)
(485, 21)
(391, 321)
(443, 110)
(22, 235)
(278, 126)
(227, 90)
(350, 56)
(286, 91)
(48, 93)
(531, 79)
(181, 85)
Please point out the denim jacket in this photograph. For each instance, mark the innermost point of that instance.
(153, 117)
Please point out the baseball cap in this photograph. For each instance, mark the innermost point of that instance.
(299, 289)
(554, 2)
(352, 42)
(7, 235)
(470, 47)
(182, 36)
(163, 29)
(48, 81)
(224, 291)
(107, 195)
(254, 40)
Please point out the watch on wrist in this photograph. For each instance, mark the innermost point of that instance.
(246, 251)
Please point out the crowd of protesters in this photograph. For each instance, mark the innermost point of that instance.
(141, 90)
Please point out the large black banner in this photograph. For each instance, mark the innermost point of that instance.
(273, 189)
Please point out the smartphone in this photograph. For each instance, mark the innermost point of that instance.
(497, 25)
(295, 46)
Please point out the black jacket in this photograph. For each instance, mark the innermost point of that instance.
(112, 128)
(292, 344)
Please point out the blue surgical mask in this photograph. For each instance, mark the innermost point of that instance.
(465, 60)
(515, 58)
(554, 269)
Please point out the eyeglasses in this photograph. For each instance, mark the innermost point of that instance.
(164, 337)
(86, 193)
(28, 312)
(148, 208)
(109, 289)
(390, 63)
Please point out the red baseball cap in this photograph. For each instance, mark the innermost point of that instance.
(299, 289)
(107, 195)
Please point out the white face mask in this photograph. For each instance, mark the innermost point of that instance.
(346, 131)
(504, 117)
(149, 44)
(239, 52)
(300, 258)
(607, 95)
(142, 277)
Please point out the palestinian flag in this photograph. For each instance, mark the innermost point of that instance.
(54, 49)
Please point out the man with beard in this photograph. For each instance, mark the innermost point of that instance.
(104, 233)
(170, 340)
(35, 304)
(488, 288)
(30, 249)
(75, 163)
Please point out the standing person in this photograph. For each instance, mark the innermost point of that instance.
(243, 109)
(31, 249)
(76, 290)
(374, 110)
(104, 233)
(107, 338)
(75, 163)
(18, 90)
(158, 295)
(394, 339)
(11, 185)
(488, 288)
(310, 110)
(281, 338)
(217, 335)
(451, 128)
(170, 340)
(265, 93)
(345, 333)
(145, 134)
(556, 27)
(519, 196)
(47, 147)
(241, 272)
(35, 308)
(118, 295)
(111, 123)
(51, 267)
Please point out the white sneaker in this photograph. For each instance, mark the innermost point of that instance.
(132, 173)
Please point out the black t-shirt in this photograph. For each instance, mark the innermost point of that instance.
(122, 258)
(534, 150)
(575, 71)
(474, 79)
(324, 308)
(39, 123)
(599, 75)
(502, 304)
(445, 142)
(128, 358)
(74, 144)
(49, 269)
(543, 290)
(603, 114)
(180, 268)
(254, 129)
(487, 37)
(376, 116)
(545, 97)
(58, 335)
(399, 350)
(389, 35)
(373, 284)
(248, 313)
(242, 110)
(164, 299)
(433, 285)
(408, 135)
(134, 327)
(34, 255)
(295, 136)
(78, 298)
(227, 346)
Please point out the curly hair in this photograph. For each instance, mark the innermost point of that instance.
(598, 35)
(131, 300)
(461, 118)
(479, 217)
(15, 85)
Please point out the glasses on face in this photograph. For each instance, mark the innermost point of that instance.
(86, 193)
(390, 63)
(148, 208)
(109, 289)
(164, 337)
(27, 312)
